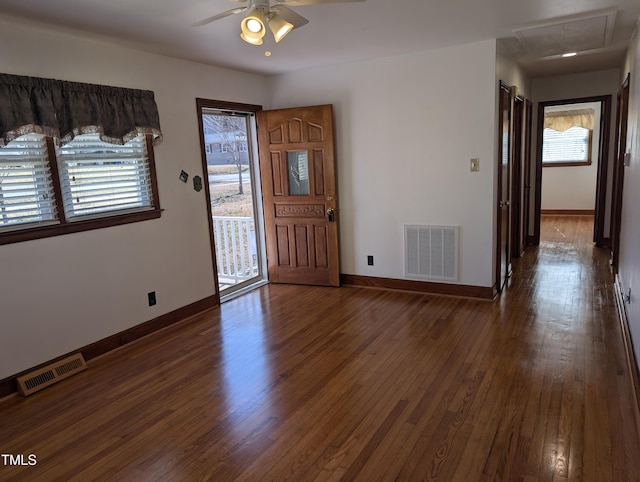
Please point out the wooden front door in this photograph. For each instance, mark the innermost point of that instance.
(299, 192)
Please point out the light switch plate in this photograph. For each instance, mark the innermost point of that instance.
(474, 164)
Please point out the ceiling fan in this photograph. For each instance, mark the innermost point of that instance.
(279, 17)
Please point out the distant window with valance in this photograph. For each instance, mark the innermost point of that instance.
(567, 137)
(74, 157)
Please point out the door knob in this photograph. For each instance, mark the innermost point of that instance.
(331, 215)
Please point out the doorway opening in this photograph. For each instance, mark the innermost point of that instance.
(572, 162)
(229, 145)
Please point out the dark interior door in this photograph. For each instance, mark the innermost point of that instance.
(618, 172)
(517, 186)
(503, 258)
(526, 208)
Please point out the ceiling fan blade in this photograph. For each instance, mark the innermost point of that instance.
(300, 3)
(219, 16)
(290, 16)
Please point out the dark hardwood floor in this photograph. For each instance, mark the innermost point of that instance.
(304, 383)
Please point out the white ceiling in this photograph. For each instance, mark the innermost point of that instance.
(348, 32)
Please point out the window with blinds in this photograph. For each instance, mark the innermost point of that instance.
(97, 177)
(85, 184)
(572, 146)
(26, 184)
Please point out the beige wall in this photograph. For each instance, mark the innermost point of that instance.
(629, 274)
(406, 128)
(509, 72)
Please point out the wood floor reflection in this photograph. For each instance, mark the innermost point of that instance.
(303, 383)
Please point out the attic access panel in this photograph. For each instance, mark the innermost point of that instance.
(571, 34)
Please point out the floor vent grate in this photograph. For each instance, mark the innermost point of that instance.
(50, 374)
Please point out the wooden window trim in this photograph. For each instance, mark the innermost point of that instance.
(63, 226)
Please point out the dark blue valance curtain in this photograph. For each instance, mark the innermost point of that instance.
(62, 110)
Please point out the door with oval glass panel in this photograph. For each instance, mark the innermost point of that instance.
(298, 175)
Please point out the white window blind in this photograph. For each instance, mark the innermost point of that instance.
(98, 177)
(26, 187)
(571, 145)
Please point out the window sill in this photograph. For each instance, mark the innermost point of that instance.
(39, 232)
(566, 164)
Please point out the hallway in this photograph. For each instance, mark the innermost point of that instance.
(572, 307)
(306, 383)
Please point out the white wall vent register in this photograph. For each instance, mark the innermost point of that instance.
(431, 252)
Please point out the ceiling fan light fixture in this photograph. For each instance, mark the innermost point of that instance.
(279, 26)
(253, 27)
(251, 40)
